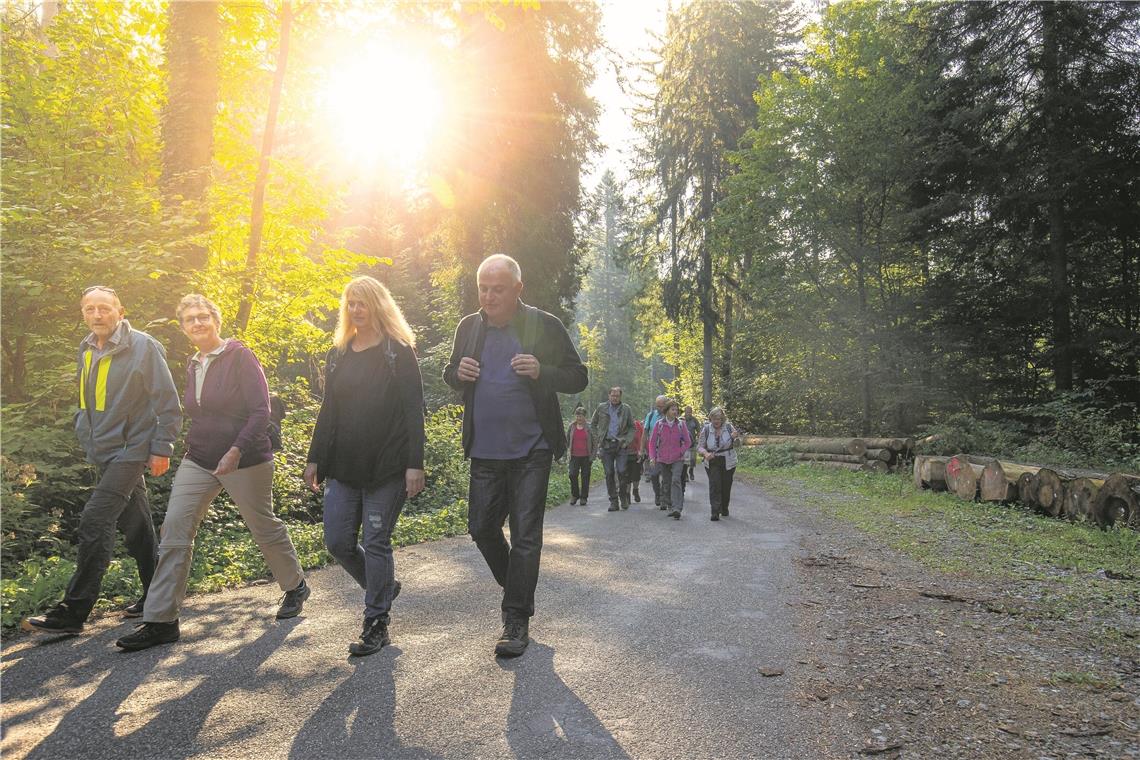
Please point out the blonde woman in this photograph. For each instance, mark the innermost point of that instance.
(717, 444)
(227, 447)
(368, 446)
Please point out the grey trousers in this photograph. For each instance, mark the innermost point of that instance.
(673, 484)
(194, 489)
(120, 500)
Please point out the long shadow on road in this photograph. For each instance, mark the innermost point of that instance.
(546, 718)
(358, 719)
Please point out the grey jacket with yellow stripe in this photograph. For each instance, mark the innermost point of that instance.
(128, 405)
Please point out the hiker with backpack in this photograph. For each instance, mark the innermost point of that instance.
(368, 446)
(510, 361)
(227, 448)
(669, 444)
(717, 444)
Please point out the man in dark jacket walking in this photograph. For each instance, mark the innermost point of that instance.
(511, 361)
(127, 421)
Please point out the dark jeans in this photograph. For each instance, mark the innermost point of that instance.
(579, 477)
(632, 476)
(614, 464)
(350, 511)
(118, 499)
(720, 485)
(514, 489)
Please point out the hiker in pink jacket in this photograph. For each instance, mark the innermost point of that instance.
(669, 443)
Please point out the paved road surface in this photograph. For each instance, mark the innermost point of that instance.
(646, 644)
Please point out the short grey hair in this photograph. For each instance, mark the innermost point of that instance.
(501, 260)
(717, 411)
(194, 300)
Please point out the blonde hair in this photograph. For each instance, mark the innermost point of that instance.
(387, 319)
(194, 300)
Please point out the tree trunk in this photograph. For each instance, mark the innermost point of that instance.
(257, 209)
(814, 456)
(1027, 489)
(894, 444)
(727, 336)
(1057, 153)
(853, 446)
(1079, 497)
(1049, 491)
(883, 455)
(1118, 500)
(708, 316)
(962, 477)
(930, 472)
(999, 481)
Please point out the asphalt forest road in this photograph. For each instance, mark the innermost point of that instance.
(647, 643)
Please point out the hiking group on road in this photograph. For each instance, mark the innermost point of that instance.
(509, 361)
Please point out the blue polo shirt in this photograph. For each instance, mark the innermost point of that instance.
(506, 424)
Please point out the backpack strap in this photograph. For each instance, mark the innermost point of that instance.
(529, 338)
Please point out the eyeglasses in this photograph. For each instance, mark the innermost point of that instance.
(104, 288)
(190, 319)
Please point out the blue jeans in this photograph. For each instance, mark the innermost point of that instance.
(370, 563)
(514, 489)
(119, 499)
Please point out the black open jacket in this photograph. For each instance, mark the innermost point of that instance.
(561, 370)
(402, 391)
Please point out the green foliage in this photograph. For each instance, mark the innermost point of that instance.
(766, 457)
(1070, 430)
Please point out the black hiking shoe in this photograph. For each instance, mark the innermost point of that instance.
(293, 601)
(150, 635)
(373, 638)
(637, 496)
(613, 507)
(514, 638)
(59, 619)
(724, 512)
(715, 517)
(135, 610)
(675, 514)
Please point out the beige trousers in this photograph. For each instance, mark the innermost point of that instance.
(194, 489)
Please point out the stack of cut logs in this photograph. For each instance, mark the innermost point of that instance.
(1076, 494)
(865, 454)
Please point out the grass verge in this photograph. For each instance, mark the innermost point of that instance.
(1072, 563)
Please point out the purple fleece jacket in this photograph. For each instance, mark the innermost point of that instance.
(234, 409)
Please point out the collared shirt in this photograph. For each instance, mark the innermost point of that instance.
(113, 341)
(615, 418)
(201, 364)
(506, 423)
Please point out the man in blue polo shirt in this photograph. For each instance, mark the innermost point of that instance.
(511, 361)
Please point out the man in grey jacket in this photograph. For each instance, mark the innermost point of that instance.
(612, 427)
(128, 418)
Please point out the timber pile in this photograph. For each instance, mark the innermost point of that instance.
(1074, 494)
(856, 454)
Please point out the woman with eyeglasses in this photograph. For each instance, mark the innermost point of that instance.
(717, 444)
(227, 447)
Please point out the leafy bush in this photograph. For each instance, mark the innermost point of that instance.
(1070, 430)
